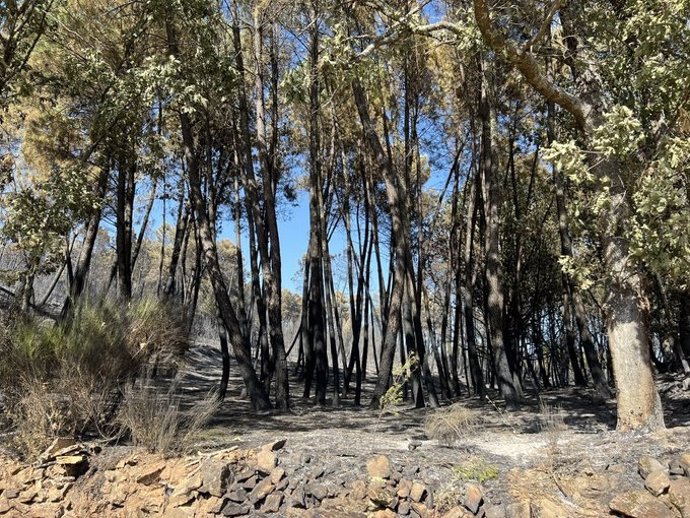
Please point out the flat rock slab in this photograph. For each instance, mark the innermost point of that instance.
(639, 504)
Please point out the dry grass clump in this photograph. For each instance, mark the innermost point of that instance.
(551, 418)
(452, 423)
(552, 423)
(65, 379)
(155, 420)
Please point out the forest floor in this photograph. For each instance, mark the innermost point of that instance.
(558, 456)
(561, 431)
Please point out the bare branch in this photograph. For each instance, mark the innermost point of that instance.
(528, 66)
(544, 26)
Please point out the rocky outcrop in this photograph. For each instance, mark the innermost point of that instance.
(76, 481)
(655, 489)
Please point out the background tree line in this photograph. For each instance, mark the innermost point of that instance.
(511, 183)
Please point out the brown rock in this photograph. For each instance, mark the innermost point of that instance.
(679, 495)
(186, 487)
(657, 482)
(417, 491)
(638, 504)
(404, 508)
(647, 465)
(384, 513)
(5, 505)
(591, 484)
(57, 445)
(547, 508)
(150, 474)
(250, 483)
(216, 476)
(675, 469)
(261, 491)
(473, 497)
(180, 512)
(238, 494)
(74, 465)
(521, 509)
(266, 460)
(457, 512)
(180, 499)
(57, 494)
(272, 503)
(283, 484)
(382, 497)
(277, 475)
(358, 490)
(211, 505)
(245, 474)
(27, 497)
(176, 474)
(297, 498)
(421, 510)
(493, 511)
(379, 467)
(11, 493)
(404, 488)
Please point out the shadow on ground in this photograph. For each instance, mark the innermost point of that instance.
(577, 408)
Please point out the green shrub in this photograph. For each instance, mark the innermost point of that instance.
(476, 469)
(67, 379)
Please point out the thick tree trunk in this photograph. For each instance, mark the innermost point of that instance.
(317, 307)
(400, 251)
(507, 383)
(123, 238)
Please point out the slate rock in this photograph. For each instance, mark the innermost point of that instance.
(638, 504)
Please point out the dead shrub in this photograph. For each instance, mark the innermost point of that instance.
(552, 423)
(154, 418)
(451, 424)
(551, 418)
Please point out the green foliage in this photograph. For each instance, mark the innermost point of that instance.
(401, 375)
(475, 469)
(103, 341)
(659, 232)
